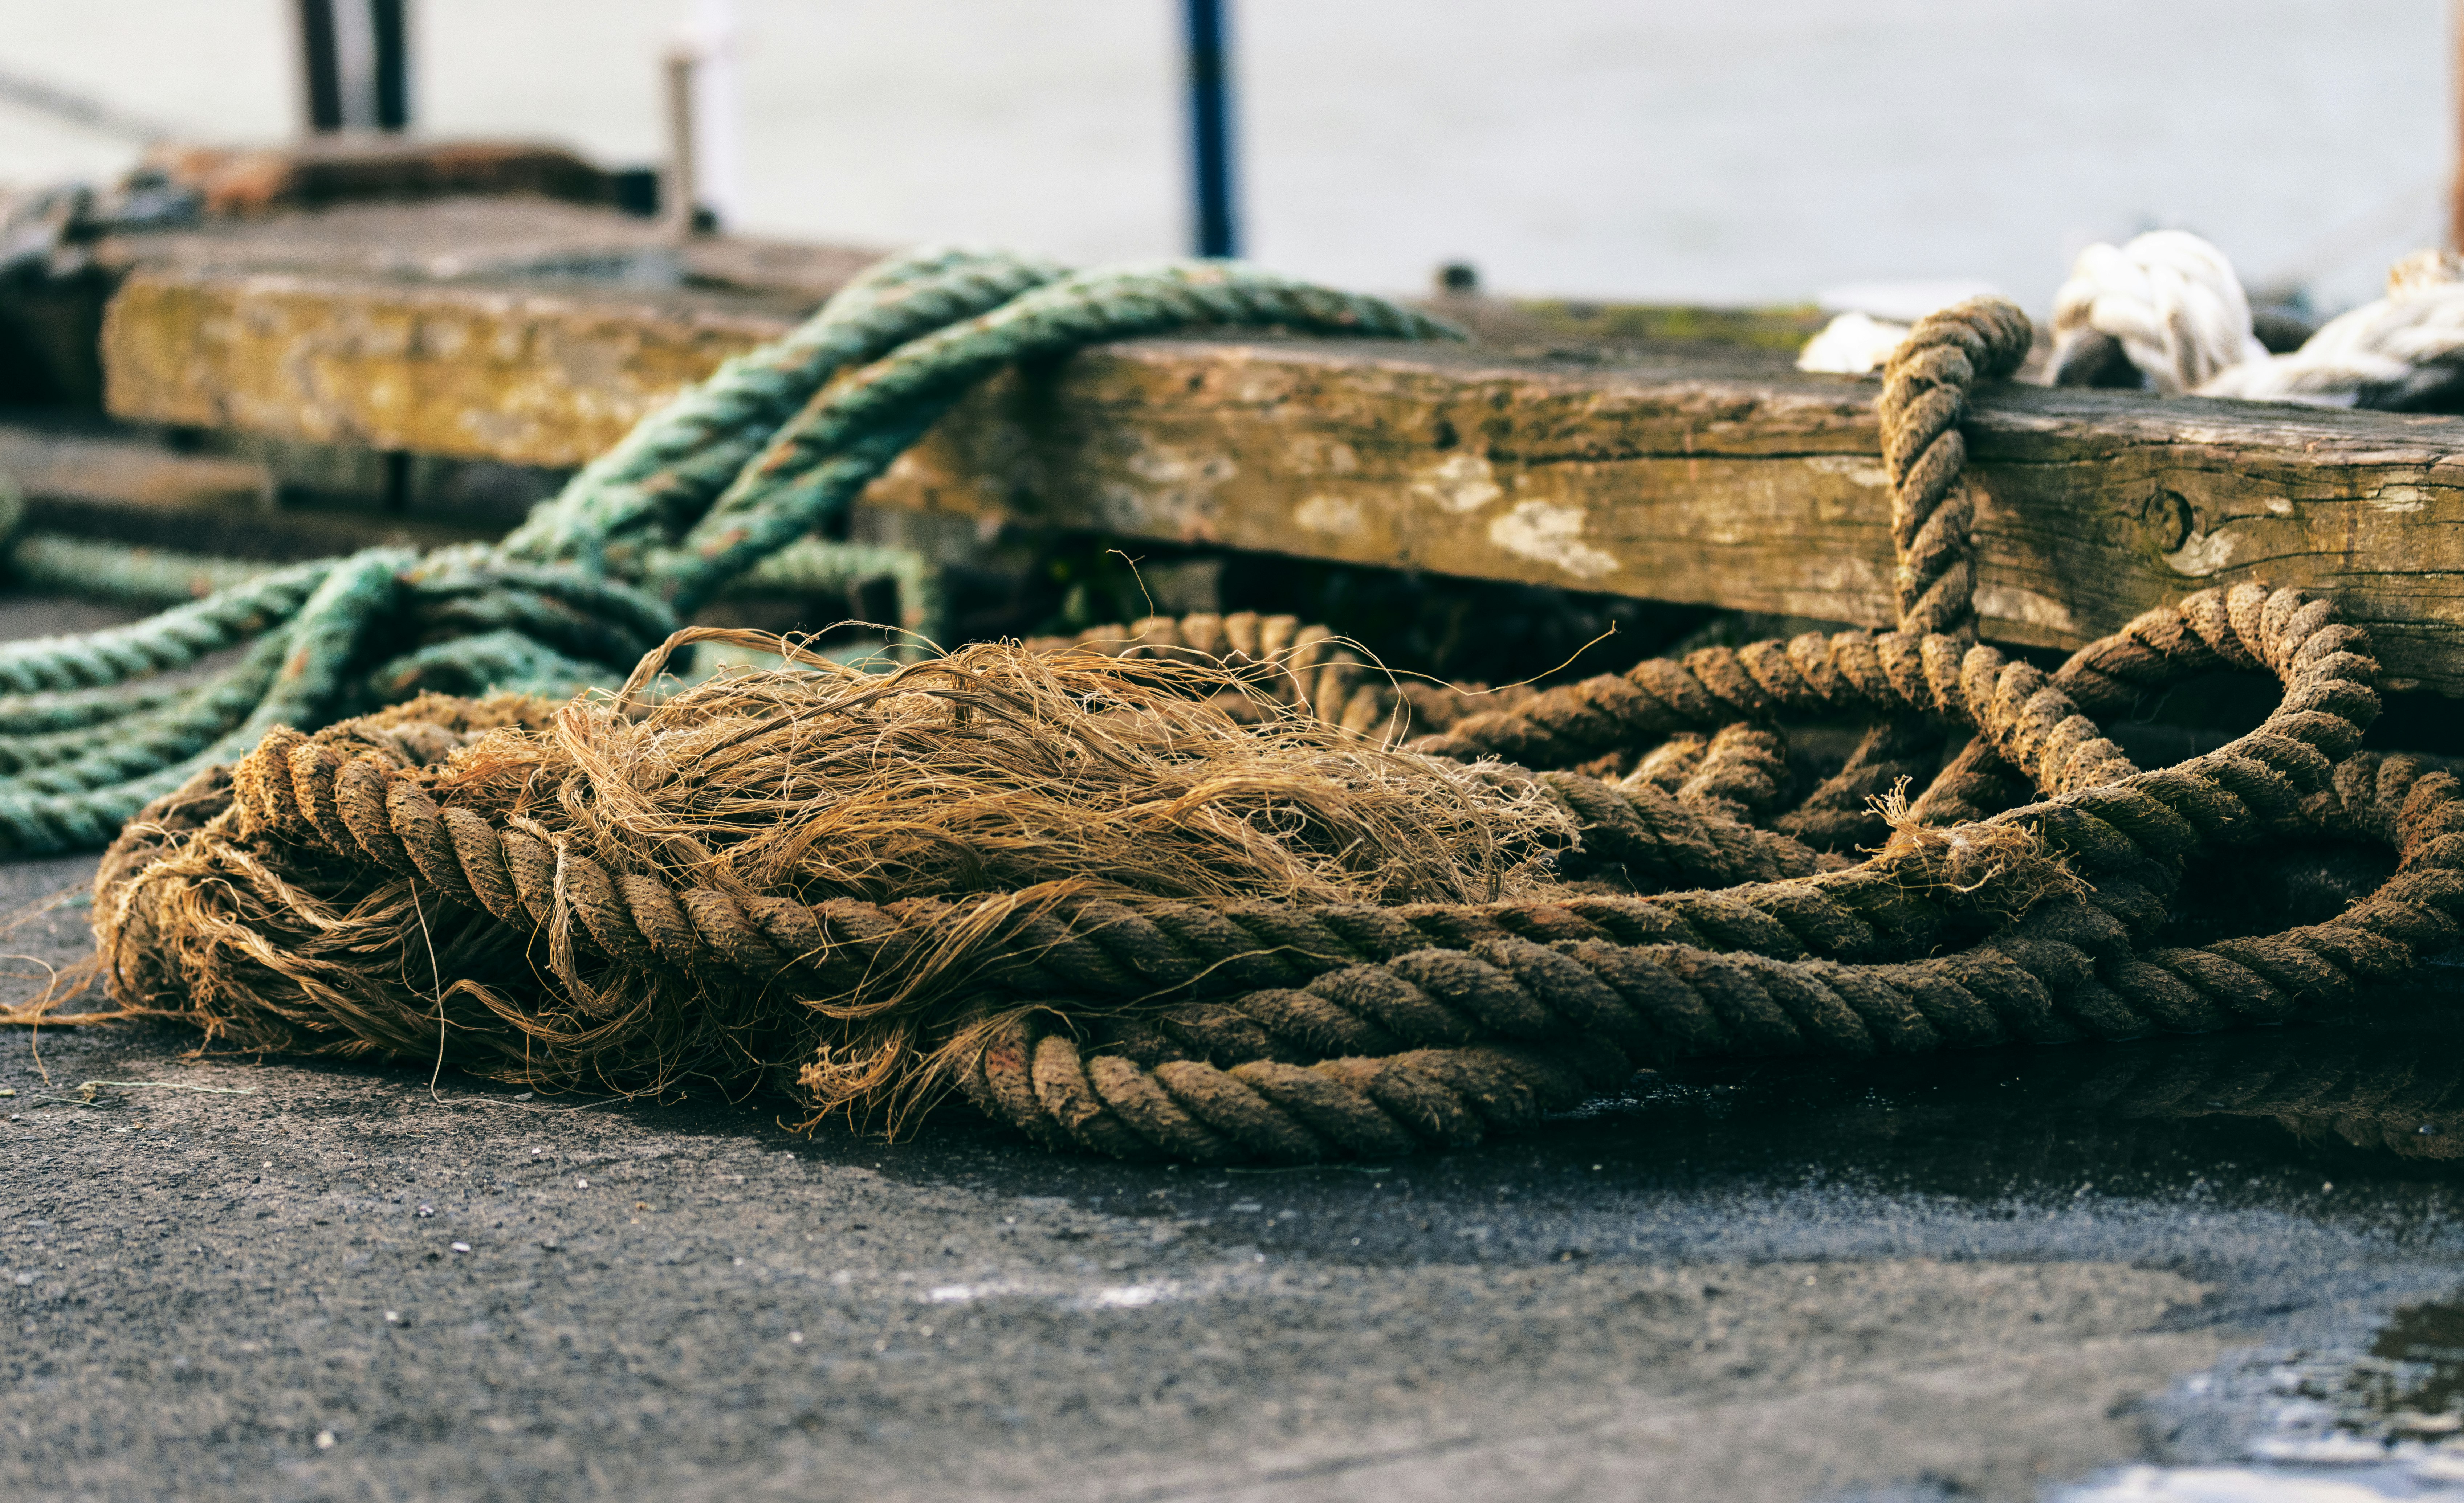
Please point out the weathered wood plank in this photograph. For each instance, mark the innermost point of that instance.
(1726, 479)
(85, 467)
(1677, 472)
(529, 375)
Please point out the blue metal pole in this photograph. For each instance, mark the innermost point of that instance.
(1210, 130)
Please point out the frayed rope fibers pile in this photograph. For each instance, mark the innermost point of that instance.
(1171, 894)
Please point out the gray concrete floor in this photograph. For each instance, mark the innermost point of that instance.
(1991, 1275)
(256, 1279)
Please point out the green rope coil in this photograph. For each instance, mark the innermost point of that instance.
(721, 487)
(95, 757)
(162, 576)
(45, 714)
(173, 640)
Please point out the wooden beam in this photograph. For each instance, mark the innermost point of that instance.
(79, 467)
(528, 375)
(514, 329)
(1721, 478)
(1691, 472)
(242, 328)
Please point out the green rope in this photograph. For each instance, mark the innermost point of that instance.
(57, 564)
(119, 572)
(811, 497)
(173, 640)
(873, 417)
(495, 660)
(681, 457)
(32, 714)
(94, 756)
(732, 473)
(316, 652)
(819, 566)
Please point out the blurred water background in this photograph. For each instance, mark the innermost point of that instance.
(1742, 151)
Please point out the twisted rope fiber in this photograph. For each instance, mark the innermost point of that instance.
(2068, 969)
(777, 443)
(1924, 394)
(1214, 1027)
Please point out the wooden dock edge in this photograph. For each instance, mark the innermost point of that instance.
(1692, 472)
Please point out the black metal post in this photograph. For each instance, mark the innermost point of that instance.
(355, 63)
(1210, 130)
(322, 64)
(389, 22)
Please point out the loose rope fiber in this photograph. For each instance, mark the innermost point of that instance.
(725, 483)
(1209, 888)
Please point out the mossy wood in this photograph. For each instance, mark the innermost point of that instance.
(1686, 472)
(526, 373)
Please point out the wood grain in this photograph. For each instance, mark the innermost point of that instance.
(1717, 477)
(1694, 471)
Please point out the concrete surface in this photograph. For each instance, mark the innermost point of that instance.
(1785, 1282)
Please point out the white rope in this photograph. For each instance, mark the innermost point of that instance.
(2173, 305)
(2169, 298)
(1852, 344)
(2390, 353)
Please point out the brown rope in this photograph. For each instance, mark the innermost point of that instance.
(2079, 966)
(1924, 394)
(1298, 665)
(2030, 895)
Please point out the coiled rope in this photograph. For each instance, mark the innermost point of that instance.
(1127, 918)
(774, 446)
